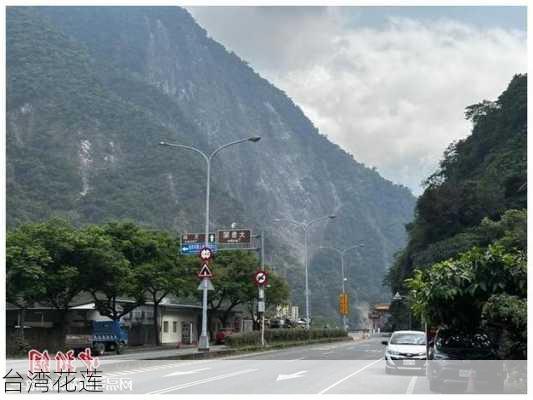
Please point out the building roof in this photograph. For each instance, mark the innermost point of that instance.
(381, 307)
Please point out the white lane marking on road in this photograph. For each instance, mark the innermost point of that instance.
(283, 377)
(125, 372)
(349, 376)
(328, 352)
(192, 371)
(296, 359)
(202, 381)
(411, 386)
(149, 369)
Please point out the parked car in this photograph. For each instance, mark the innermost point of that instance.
(222, 334)
(455, 357)
(406, 350)
(277, 323)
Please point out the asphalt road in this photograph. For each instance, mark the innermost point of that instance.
(333, 368)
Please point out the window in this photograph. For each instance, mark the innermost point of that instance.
(175, 326)
(165, 326)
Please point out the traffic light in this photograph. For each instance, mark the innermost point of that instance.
(343, 303)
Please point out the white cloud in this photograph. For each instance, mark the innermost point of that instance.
(392, 95)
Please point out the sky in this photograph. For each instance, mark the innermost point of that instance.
(387, 84)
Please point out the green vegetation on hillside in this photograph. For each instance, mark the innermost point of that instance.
(465, 262)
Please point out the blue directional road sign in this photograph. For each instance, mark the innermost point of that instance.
(194, 248)
(192, 243)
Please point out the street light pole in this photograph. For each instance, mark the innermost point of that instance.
(342, 253)
(203, 343)
(305, 227)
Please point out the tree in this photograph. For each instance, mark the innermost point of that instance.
(479, 288)
(52, 250)
(164, 273)
(107, 273)
(24, 272)
(233, 273)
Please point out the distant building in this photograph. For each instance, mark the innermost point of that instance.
(378, 316)
(178, 322)
(287, 311)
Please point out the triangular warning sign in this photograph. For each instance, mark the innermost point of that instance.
(205, 272)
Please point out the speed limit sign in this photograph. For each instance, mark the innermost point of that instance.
(261, 278)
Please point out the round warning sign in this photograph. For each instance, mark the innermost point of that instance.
(261, 278)
(206, 253)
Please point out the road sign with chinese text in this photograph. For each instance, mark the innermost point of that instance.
(195, 248)
(234, 236)
(190, 238)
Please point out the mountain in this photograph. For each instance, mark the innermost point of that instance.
(92, 90)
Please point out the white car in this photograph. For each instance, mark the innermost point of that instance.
(406, 350)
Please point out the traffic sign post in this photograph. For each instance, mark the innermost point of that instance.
(205, 254)
(261, 279)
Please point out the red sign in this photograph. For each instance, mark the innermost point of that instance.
(206, 254)
(205, 272)
(261, 278)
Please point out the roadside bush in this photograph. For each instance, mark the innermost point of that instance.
(282, 335)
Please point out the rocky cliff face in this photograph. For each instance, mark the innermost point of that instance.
(91, 91)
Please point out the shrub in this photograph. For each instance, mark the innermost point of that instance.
(281, 335)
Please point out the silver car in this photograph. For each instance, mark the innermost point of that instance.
(406, 350)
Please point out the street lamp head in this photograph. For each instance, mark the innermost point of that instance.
(397, 296)
(332, 216)
(255, 139)
(162, 143)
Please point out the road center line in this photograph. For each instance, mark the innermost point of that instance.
(202, 381)
(411, 386)
(349, 376)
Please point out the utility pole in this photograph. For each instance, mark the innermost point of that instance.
(342, 253)
(203, 344)
(261, 300)
(262, 289)
(305, 227)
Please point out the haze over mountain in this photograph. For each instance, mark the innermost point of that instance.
(92, 90)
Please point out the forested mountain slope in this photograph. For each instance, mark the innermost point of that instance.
(92, 90)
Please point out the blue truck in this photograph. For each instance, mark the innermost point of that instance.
(104, 336)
